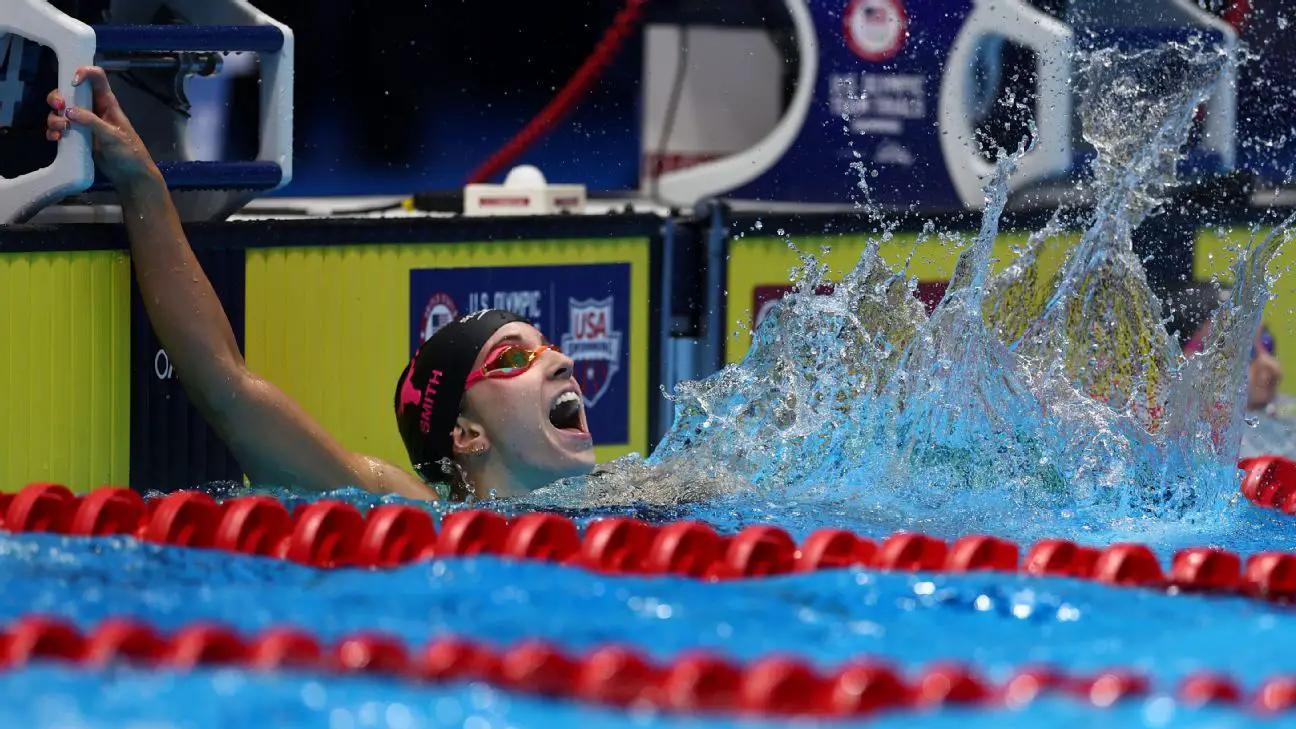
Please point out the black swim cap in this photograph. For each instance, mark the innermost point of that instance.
(431, 387)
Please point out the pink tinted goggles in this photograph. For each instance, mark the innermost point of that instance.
(509, 360)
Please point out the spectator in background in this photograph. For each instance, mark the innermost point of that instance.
(1270, 415)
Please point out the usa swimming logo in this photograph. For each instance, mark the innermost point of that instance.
(440, 310)
(593, 345)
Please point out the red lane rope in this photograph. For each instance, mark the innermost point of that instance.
(611, 674)
(331, 534)
(1270, 482)
(568, 96)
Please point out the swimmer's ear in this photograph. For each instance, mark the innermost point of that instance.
(469, 438)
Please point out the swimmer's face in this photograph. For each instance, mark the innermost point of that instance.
(534, 422)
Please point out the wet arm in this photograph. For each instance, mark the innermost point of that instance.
(273, 438)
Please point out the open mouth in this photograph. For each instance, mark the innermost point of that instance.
(566, 412)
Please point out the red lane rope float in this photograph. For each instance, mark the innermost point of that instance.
(616, 675)
(332, 534)
(1270, 482)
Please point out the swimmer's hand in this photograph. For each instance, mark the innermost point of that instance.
(118, 151)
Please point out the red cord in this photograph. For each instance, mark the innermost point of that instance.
(566, 100)
(1237, 14)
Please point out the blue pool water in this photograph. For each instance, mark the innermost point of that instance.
(992, 622)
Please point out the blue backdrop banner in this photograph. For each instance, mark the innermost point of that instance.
(584, 309)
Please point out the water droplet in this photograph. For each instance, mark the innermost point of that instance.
(314, 696)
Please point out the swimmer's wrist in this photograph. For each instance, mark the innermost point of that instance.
(139, 182)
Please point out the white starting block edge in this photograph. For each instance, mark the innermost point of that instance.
(74, 45)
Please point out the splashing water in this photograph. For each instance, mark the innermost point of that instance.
(1023, 398)
(1098, 339)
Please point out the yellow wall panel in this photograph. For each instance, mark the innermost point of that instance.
(65, 369)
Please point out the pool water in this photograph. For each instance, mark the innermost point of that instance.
(994, 623)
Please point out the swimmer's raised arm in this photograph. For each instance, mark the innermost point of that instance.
(273, 438)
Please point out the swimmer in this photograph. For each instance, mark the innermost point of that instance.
(1190, 316)
(486, 406)
(1264, 372)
